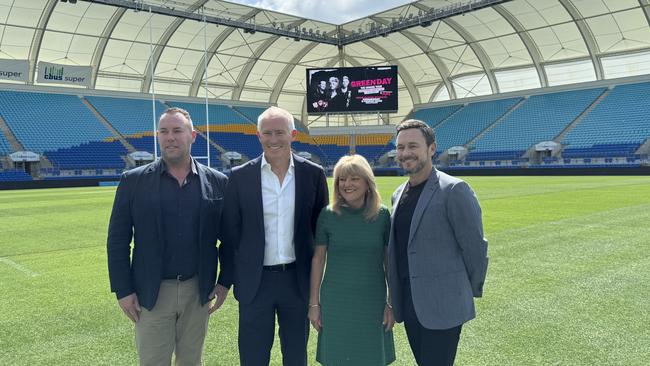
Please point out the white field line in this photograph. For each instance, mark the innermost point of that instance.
(19, 267)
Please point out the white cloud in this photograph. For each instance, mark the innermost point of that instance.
(331, 11)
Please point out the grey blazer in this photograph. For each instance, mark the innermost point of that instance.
(447, 253)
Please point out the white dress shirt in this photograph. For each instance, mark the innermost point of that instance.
(278, 202)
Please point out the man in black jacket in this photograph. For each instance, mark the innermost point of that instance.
(270, 212)
(171, 209)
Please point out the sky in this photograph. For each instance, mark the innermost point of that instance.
(330, 11)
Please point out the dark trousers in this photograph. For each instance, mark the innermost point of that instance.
(278, 295)
(431, 347)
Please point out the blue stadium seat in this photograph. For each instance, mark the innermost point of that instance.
(219, 114)
(601, 151)
(618, 123)
(63, 129)
(200, 149)
(333, 153)
(47, 122)
(373, 152)
(247, 145)
(468, 122)
(433, 116)
(494, 155)
(250, 112)
(540, 118)
(91, 155)
(127, 116)
(14, 175)
(313, 149)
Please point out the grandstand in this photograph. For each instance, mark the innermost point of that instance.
(593, 127)
(498, 90)
(35, 120)
(130, 117)
(616, 127)
(470, 121)
(540, 118)
(496, 133)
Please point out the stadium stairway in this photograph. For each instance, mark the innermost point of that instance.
(108, 125)
(212, 143)
(128, 116)
(616, 128)
(496, 122)
(443, 155)
(249, 116)
(434, 117)
(580, 102)
(453, 113)
(5, 163)
(14, 144)
(644, 149)
(463, 126)
(582, 115)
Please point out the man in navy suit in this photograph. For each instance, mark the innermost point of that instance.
(171, 209)
(270, 212)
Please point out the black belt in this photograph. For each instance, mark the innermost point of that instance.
(280, 267)
(180, 278)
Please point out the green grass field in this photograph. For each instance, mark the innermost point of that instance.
(568, 282)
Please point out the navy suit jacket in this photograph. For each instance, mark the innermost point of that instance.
(243, 225)
(137, 216)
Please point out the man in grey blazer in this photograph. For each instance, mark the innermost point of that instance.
(437, 252)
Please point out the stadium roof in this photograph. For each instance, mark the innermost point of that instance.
(444, 49)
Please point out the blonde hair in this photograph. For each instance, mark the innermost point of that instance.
(357, 165)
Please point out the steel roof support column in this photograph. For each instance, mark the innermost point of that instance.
(587, 35)
(38, 38)
(528, 41)
(478, 51)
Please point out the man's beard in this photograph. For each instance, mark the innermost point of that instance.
(416, 169)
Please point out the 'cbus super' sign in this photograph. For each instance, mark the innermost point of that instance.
(14, 70)
(63, 74)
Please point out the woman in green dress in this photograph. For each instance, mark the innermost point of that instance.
(349, 303)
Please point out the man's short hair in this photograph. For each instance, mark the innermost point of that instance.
(182, 111)
(276, 112)
(427, 132)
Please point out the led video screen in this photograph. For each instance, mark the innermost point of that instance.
(352, 90)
